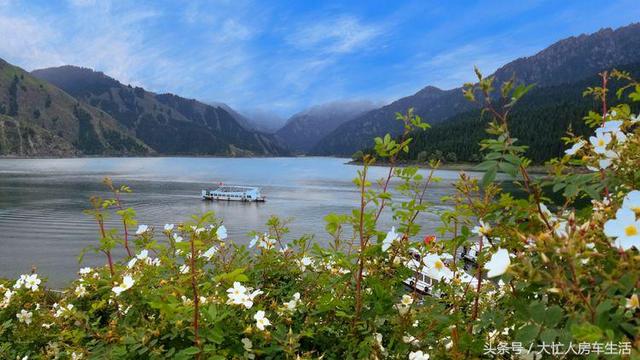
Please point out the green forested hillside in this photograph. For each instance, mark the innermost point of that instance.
(539, 120)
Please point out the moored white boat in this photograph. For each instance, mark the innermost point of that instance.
(233, 193)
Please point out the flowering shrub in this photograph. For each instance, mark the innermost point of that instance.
(509, 275)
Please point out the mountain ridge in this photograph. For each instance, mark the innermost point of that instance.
(39, 119)
(168, 123)
(305, 128)
(566, 60)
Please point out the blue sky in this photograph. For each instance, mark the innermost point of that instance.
(284, 56)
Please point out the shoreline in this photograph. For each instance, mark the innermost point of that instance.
(534, 169)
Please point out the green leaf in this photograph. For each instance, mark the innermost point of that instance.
(586, 332)
(527, 334)
(553, 315)
(489, 176)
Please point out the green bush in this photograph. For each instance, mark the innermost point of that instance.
(548, 277)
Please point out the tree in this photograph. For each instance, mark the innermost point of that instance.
(357, 156)
(452, 157)
(423, 156)
(436, 155)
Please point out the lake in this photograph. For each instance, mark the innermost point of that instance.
(42, 201)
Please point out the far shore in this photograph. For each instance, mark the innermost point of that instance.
(533, 169)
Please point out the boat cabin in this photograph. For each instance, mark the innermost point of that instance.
(233, 193)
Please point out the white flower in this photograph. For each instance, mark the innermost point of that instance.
(221, 233)
(261, 320)
(32, 282)
(198, 230)
(406, 300)
(154, 261)
(247, 299)
(378, 338)
(304, 262)
(6, 299)
(85, 271)
(575, 148)
(632, 201)
(436, 268)
(24, 316)
(635, 118)
(209, 253)
(168, 227)
(633, 302)
(602, 164)
(392, 236)
(142, 229)
(127, 283)
(143, 254)
(177, 238)
(600, 142)
(560, 228)
(613, 128)
(80, 291)
(483, 229)
(410, 339)
(267, 243)
(184, 268)
(625, 228)
(132, 262)
(254, 241)
(248, 345)
(291, 305)
(76, 356)
(418, 355)
(238, 295)
(498, 264)
(20, 282)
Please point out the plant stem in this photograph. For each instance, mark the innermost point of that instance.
(196, 298)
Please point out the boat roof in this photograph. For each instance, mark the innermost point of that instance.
(227, 188)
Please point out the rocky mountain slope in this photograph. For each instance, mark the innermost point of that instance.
(168, 123)
(39, 119)
(566, 61)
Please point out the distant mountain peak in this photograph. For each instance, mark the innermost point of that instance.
(566, 61)
(305, 128)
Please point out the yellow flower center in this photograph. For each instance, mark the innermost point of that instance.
(601, 142)
(634, 301)
(439, 265)
(631, 230)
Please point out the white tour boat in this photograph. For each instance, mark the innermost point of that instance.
(233, 193)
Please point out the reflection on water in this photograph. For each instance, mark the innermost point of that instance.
(41, 201)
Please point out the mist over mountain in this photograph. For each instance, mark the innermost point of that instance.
(303, 130)
(264, 120)
(167, 123)
(565, 61)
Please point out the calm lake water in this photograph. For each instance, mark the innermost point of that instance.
(41, 201)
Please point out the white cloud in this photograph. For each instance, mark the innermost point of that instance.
(343, 34)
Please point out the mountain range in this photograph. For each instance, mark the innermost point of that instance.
(167, 123)
(566, 61)
(75, 111)
(303, 130)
